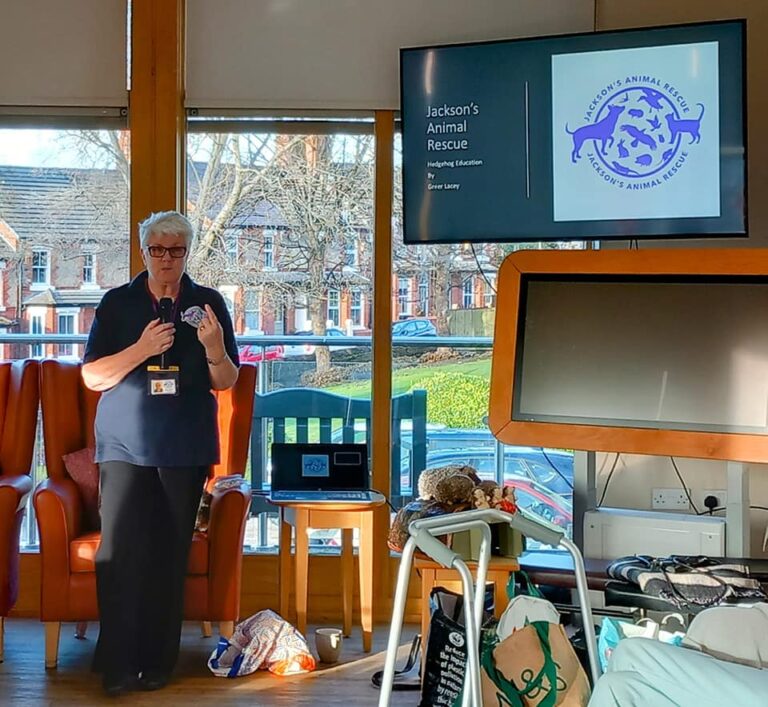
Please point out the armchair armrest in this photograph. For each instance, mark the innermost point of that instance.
(226, 528)
(58, 508)
(14, 491)
(59, 516)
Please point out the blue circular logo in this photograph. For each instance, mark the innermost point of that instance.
(637, 131)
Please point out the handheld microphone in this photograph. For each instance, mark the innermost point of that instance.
(165, 310)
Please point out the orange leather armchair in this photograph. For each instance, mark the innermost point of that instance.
(19, 399)
(212, 591)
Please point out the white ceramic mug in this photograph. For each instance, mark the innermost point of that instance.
(328, 643)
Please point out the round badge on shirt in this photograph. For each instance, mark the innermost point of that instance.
(193, 316)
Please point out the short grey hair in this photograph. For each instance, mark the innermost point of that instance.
(166, 222)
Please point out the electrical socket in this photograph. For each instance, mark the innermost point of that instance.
(699, 495)
(669, 500)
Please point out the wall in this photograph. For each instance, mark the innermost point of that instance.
(260, 587)
(635, 476)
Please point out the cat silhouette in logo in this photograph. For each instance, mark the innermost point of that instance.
(602, 131)
(689, 125)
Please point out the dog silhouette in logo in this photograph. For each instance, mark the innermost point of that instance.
(602, 131)
(638, 136)
(689, 125)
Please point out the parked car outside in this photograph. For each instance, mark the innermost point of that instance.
(538, 499)
(250, 353)
(552, 468)
(309, 349)
(414, 327)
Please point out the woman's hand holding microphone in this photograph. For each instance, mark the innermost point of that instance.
(156, 338)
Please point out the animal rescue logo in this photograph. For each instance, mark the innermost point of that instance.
(637, 133)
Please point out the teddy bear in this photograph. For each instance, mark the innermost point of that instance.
(429, 478)
(454, 492)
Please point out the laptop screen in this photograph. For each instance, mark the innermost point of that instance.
(319, 467)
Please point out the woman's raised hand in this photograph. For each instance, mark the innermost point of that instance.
(156, 338)
(210, 334)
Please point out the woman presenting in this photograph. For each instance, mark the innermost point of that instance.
(157, 347)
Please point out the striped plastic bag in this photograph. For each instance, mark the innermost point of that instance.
(265, 641)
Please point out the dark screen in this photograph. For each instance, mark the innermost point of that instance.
(682, 353)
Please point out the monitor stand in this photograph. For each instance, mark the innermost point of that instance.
(737, 516)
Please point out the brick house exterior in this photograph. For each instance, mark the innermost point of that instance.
(64, 242)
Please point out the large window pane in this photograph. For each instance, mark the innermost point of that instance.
(64, 241)
(445, 302)
(302, 209)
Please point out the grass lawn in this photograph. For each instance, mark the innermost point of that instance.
(406, 378)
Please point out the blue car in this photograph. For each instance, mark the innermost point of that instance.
(414, 327)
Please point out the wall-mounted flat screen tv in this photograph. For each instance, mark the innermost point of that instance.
(610, 135)
(651, 351)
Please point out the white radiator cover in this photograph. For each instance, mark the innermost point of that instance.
(615, 532)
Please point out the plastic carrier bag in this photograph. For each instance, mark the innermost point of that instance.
(446, 655)
(265, 641)
(614, 630)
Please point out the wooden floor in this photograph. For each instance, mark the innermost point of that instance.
(25, 682)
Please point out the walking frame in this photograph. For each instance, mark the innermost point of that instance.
(422, 535)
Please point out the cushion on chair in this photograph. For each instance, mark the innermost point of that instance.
(82, 553)
(85, 473)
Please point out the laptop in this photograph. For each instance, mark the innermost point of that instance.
(323, 473)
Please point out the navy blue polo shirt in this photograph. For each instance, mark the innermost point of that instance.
(157, 430)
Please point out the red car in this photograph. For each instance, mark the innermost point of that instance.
(250, 353)
(540, 500)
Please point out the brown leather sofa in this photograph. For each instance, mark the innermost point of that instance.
(68, 591)
(19, 401)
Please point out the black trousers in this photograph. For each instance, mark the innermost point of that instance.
(147, 520)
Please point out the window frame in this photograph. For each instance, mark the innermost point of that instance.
(356, 308)
(424, 293)
(72, 314)
(489, 292)
(46, 283)
(92, 282)
(468, 296)
(248, 310)
(268, 248)
(37, 316)
(332, 291)
(404, 304)
(351, 254)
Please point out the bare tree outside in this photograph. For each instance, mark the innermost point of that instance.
(313, 194)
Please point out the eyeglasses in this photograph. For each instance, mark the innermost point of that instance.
(159, 251)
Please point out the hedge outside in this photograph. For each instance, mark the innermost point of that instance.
(456, 400)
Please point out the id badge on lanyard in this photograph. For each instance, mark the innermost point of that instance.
(163, 381)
